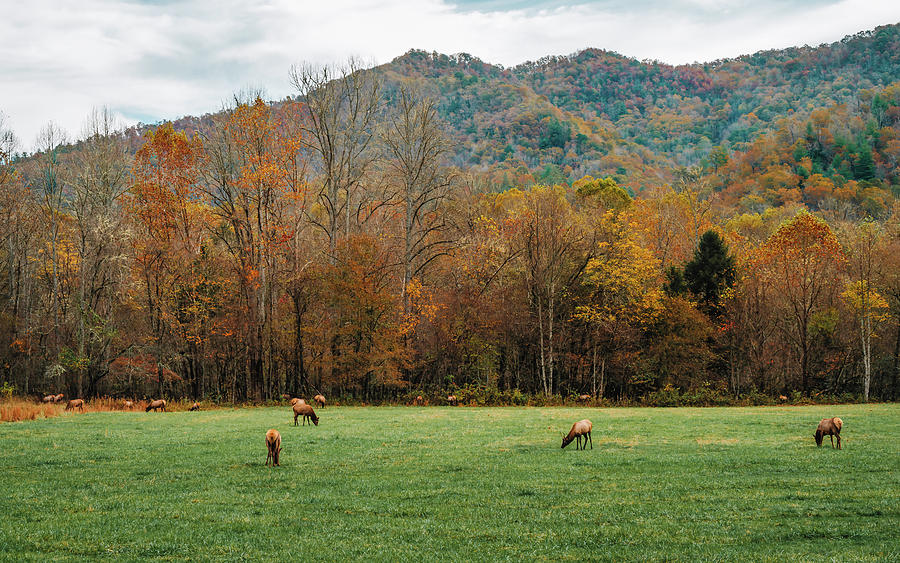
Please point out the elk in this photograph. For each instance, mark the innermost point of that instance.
(829, 427)
(418, 401)
(159, 404)
(195, 407)
(58, 398)
(320, 400)
(75, 404)
(296, 401)
(49, 399)
(307, 412)
(273, 444)
(579, 429)
(128, 404)
(584, 397)
(452, 400)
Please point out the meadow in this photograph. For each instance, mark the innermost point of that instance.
(444, 483)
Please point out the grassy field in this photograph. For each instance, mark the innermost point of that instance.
(453, 483)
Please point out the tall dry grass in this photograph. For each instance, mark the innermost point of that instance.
(18, 409)
(14, 410)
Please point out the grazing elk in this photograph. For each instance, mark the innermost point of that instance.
(451, 399)
(320, 400)
(580, 429)
(306, 412)
(159, 404)
(273, 444)
(75, 404)
(195, 407)
(829, 427)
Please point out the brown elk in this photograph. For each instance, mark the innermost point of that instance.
(195, 407)
(58, 398)
(128, 404)
(273, 444)
(320, 400)
(159, 404)
(418, 401)
(49, 399)
(452, 400)
(829, 427)
(584, 397)
(580, 429)
(75, 404)
(306, 412)
(296, 401)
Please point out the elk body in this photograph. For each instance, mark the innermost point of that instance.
(580, 429)
(159, 404)
(296, 401)
(829, 427)
(128, 404)
(195, 407)
(320, 400)
(452, 400)
(306, 412)
(58, 398)
(273, 444)
(75, 404)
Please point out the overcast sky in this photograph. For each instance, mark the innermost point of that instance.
(150, 60)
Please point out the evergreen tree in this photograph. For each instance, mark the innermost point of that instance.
(710, 272)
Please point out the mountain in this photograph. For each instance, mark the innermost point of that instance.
(600, 113)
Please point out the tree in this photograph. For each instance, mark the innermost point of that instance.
(802, 261)
(710, 273)
(416, 145)
(342, 105)
(863, 249)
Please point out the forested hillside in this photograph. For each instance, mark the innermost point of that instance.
(584, 224)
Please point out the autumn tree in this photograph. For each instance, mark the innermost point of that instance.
(164, 206)
(801, 262)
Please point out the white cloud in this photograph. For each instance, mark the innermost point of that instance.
(160, 59)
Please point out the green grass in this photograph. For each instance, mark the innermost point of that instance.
(453, 483)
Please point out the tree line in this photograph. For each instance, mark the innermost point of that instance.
(325, 243)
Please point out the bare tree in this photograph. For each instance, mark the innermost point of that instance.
(101, 175)
(342, 106)
(50, 182)
(416, 144)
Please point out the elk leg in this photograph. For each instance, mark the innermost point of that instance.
(591, 439)
(839, 441)
(832, 439)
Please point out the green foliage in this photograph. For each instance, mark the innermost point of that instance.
(711, 272)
